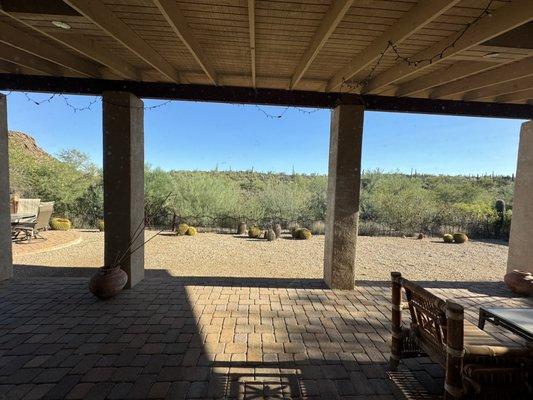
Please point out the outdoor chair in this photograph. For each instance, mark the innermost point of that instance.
(32, 229)
(477, 365)
(28, 206)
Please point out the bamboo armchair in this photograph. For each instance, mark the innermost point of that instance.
(477, 365)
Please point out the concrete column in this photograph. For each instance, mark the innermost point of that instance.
(521, 239)
(344, 181)
(6, 257)
(124, 181)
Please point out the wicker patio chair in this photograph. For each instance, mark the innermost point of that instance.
(28, 206)
(477, 365)
(32, 229)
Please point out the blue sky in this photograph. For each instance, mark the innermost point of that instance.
(188, 135)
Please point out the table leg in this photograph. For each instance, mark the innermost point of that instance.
(482, 318)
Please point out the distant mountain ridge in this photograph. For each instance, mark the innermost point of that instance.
(27, 144)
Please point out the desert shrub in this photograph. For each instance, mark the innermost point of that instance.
(182, 229)
(318, 228)
(448, 238)
(100, 225)
(191, 231)
(303, 234)
(60, 224)
(254, 232)
(460, 238)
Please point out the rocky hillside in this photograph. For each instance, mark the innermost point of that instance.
(27, 145)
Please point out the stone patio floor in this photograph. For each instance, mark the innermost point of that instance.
(213, 338)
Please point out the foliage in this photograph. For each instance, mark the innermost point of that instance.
(60, 224)
(100, 225)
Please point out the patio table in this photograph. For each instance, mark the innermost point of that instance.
(15, 218)
(516, 320)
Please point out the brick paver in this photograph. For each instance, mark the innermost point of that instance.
(53, 240)
(213, 338)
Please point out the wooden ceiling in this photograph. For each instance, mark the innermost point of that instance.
(475, 50)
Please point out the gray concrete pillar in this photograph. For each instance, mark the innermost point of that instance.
(344, 181)
(124, 182)
(6, 256)
(521, 239)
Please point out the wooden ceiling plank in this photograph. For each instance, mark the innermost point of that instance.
(100, 15)
(324, 31)
(23, 59)
(28, 43)
(251, 27)
(453, 72)
(417, 17)
(526, 94)
(499, 89)
(500, 21)
(504, 73)
(175, 18)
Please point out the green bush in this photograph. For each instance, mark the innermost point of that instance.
(303, 234)
(460, 238)
(100, 225)
(60, 224)
(191, 231)
(182, 229)
(254, 232)
(448, 238)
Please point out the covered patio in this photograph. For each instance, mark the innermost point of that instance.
(209, 338)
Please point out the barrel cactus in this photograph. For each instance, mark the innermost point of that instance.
(303, 234)
(60, 224)
(254, 232)
(460, 238)
(182, 229)
(500, 206)
(191, 231)
(271, 235)
(294, 232)
(448, 238)
(241, 230)
(100, 225)
(277, 230)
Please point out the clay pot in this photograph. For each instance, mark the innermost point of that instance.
(519, 282)
(108, 282)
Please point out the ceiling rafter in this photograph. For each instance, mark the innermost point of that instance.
(329, 22)
(520, 95)
(251, 27)
(102, 16)
(23, 59)
(499, 89)
(451, 73)
(21, 40)
(416, 18)
(175, 18)
(500, 21)
(504, 73)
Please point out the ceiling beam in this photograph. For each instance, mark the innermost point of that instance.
(10, 68)
(251, 28)
(329, 22)
(500, 21)
(100, 15)
(416, 18)
(247, 95)
(23, 59)
(21, 40)
(521, 95)
(451, 73)
(499, 89)
(507, 72)
(175, 18)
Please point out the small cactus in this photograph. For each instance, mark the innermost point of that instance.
(191, 231)
(294, 232)
(303, 234)
(254, 232)
(318, 228)
(277, 230)
(500, 206)
(182, 229)
(460, 238)
(448, 238)
(241, 230)
(421, 236)
(100, 225)
(271, 235)
(60, 224)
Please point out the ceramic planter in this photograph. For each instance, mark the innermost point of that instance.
(108, 282)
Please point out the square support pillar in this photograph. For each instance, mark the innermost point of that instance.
(124, 182)
(6, 256)
(521, 239)
(344, 182)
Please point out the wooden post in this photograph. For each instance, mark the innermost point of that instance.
(453, 384)
(6, 259)
(396, 305)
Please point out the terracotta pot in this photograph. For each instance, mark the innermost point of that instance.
(108, 282)
(520, 282)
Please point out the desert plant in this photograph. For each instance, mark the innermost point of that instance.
(294, 232)
(500, 206)
(241, 230)
(448, 238)
(182, 229)
(303, 234)
(60, 224)
(318, 228)
(277, 230)
(254, 232)
(191, 231)
(421, 236)
(460, 238)
(100, 225)
(271, 235)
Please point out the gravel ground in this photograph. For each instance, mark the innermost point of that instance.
(211, 254)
